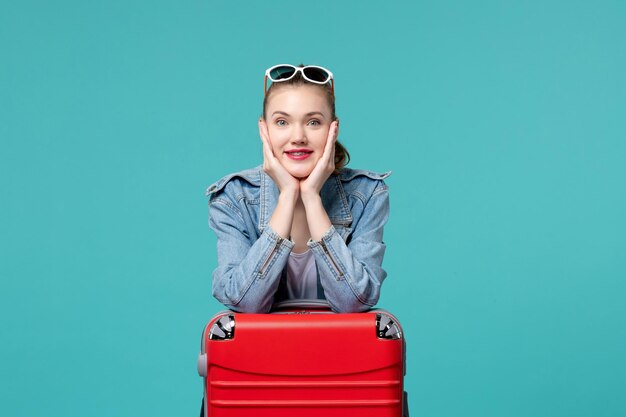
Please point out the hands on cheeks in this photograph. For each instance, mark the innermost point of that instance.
(273, 167)
(309, 186)
(312, 185)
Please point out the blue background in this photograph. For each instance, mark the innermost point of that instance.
(504, 125)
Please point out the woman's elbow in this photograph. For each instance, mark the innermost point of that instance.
(241, 304)
(253, 306)
(351, 305)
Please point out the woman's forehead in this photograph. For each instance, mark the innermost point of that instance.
(296, 100)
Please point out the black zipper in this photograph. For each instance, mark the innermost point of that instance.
(332, 260)
(271, 255)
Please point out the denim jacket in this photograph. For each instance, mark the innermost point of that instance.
(252, 256)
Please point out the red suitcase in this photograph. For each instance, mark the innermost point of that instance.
(303, 361)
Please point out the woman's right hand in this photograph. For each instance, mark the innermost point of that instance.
(271, 165)
(289, 187)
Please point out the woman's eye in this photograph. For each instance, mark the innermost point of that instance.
(314, 123)
(281, 122)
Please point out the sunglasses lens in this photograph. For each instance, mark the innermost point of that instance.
(316, 74)
(281, 73)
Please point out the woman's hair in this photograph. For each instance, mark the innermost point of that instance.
(342, 157)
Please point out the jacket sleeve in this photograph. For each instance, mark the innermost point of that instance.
(249, 269)
(351, 274)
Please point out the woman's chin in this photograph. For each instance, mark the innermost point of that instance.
(299, 173)
(299, 170)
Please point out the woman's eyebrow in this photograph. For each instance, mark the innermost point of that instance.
(309, 114)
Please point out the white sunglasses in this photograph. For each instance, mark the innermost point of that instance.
(311, 73)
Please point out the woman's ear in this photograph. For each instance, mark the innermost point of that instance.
(263, 132)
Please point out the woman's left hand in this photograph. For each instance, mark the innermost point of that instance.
(312, 185)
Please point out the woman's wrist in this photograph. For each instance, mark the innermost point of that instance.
(289, 196)
(316, 215)
(282, 217)
(310, 198)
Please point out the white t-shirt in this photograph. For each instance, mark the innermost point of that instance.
(301, 276)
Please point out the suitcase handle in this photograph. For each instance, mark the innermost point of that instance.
(311, 304)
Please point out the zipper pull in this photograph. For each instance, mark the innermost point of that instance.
(332, 260)
(271, 255)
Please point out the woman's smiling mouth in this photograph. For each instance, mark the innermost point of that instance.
(298, 154)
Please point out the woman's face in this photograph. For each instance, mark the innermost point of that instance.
(298, 119)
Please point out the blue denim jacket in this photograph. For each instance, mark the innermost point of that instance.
(252, 256)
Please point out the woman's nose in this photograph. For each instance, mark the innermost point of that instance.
(299, 135)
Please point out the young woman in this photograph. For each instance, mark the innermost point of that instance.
(302, 226)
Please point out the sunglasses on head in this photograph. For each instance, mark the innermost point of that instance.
(311, 73)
